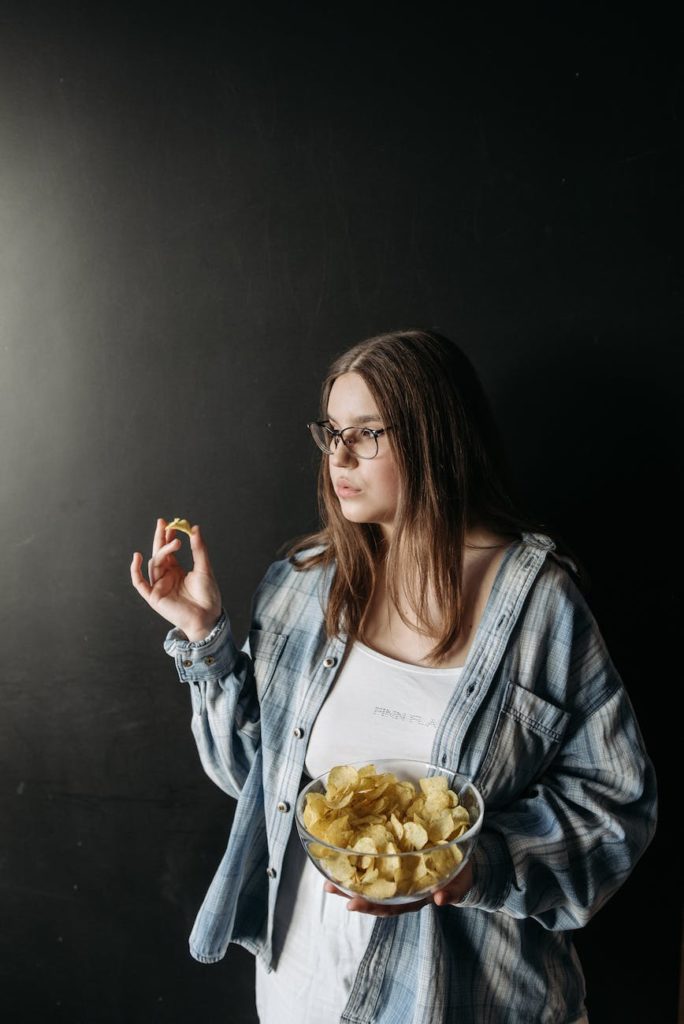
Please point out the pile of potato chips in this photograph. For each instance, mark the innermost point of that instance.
(377, 817)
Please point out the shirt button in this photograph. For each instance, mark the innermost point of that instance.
(187, 663)
(298, 732)
(271, 872)
(208, 660)
(283, 806)
(329, 662)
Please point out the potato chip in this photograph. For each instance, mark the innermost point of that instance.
(367, 819)
(416, 807)
(415, 836)
(440, 827)
(316, 808)
(381, 889)
(340, 868)
(320, 852)
(342, 798)
(434, 784)
(435, 802)
(365, 845)
(404, 793)
(389, 865)
(460, 814)
(442, 861)
(342, 777)
(396, 826)
(380, 835)
(180, 524)
(337, 832)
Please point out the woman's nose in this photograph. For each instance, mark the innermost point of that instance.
(341, 456)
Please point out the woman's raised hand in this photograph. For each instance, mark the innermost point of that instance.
(191, 601)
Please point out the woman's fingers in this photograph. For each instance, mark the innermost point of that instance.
(159, 536)
(200, 555)
(361, 905)
(162, 562)
(137, 578)
(164, 536)
(463, 883)
(156, 563)
(454, 891)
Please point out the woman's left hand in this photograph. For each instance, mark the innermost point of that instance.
(450, 894)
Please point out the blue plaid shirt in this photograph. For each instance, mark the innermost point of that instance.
(547, 732)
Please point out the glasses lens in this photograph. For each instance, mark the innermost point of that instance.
(321, 436)
(361, 441)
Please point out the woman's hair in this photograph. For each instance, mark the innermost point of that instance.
(454, 477)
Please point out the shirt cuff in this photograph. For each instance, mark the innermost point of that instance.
(492, 874)
(199, 660)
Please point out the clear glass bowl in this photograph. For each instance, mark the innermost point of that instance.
(398, 875)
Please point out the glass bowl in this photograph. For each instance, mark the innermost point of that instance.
(358, 837)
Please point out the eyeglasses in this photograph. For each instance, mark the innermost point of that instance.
(361, 441)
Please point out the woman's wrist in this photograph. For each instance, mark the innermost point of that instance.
(201, 629)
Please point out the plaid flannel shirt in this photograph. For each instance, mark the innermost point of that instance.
(546, 731)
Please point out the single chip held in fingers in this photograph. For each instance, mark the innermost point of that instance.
(180, 524)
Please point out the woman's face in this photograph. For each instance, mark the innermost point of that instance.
(375, 482)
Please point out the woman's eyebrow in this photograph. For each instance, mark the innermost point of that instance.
(359, 419)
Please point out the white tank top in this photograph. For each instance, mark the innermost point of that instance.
(378, 707)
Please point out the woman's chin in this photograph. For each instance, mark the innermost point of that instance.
(357, 516)
(353, 516)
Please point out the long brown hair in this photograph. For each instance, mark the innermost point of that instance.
(454, 477)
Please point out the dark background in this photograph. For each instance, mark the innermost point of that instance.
(197, 212)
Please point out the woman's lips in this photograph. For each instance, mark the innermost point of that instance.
(345, 491)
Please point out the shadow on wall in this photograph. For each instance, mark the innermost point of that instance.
(592, 439)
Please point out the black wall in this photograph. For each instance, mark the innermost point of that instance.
(197, 212)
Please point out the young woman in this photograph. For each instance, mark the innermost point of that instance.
(427, 619)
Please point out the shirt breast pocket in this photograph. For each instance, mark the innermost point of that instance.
(265, 649)
(526, 736)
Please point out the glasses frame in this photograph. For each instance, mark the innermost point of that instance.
(338, 435)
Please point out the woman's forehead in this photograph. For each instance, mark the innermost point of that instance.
(350, 399)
